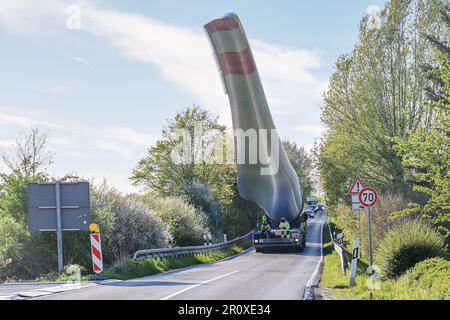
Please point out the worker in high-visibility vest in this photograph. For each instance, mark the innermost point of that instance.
(266, 229)
(263, 219)
(285, 227)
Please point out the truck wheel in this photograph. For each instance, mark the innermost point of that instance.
(258, 250)
(302, 246)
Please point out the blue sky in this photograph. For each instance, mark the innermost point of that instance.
(104, 90)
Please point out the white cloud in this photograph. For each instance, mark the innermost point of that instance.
(129, 135)
(65, 142)
(7, 144)
(373, 10)
(374, 13)
(115, 148)
(184, 55)
(60, 89)
(81, 60)
(27, 17)
(20, 121)
(315, 130)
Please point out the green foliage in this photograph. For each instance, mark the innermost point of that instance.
(167, 171)
(13, 197)
(407, 244)
(428, 280)
(198, 195)
(11, 244)
(355, 224)
(186, 224)
(302, 164)
(24, 255)
(376, 93)
(426, 153)
(126, 224)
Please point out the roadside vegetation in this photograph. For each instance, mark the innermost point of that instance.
(387, 111)
(427, 280)
(130, 269)
(176, 203)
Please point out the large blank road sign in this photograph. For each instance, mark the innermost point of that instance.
(75, 206)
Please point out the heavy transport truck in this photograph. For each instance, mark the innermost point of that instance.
(271, 182)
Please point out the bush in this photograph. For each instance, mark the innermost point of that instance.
(407, 244)
(382, 221)
(197, 194)
(11, 245)
(428, 280)
(24, 255)
(126, 224)
(186, 224)
(137, 228)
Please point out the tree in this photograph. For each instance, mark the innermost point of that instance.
(376, 94)
(30, 157)
(164, 174)
(426, 153)
(28, 163)
(161, 172)
(302, 164)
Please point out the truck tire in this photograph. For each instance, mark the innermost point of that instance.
(258, 250)
(302, 246)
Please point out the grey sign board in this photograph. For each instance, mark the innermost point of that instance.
(75, 206)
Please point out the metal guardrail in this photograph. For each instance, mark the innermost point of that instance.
(339, 249)
(186, 251)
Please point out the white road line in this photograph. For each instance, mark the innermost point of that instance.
(198, 284)
(316, 271)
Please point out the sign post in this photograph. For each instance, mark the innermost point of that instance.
(354, 190)
(58, 207)
(59, 233)
(355, 254)
(96, 248)
(368, 198)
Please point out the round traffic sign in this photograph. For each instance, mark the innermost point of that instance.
(368, 197)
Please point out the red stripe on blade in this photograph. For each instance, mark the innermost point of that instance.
(96, 253)
(224, 24)
(237, 63)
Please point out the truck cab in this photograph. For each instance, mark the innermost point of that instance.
(275, 238)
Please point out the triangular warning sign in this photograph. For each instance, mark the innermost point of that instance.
(357, 186)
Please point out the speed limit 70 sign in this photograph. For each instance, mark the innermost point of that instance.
(368, 197)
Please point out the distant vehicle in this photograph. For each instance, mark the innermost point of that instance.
(309, 212)
(311, 202)
(320, 208)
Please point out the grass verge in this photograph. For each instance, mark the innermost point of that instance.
(130, 269)
(335, 280)
(427, 280)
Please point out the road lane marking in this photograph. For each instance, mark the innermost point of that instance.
(316, 270)
(198, 285)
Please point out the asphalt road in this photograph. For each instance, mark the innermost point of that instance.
(248, 276)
